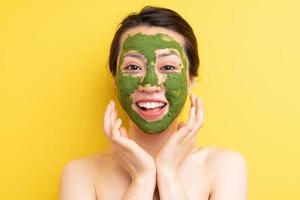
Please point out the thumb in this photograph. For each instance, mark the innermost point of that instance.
(180, 125)
(123, 132)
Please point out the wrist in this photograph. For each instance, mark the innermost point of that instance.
(147, 177)
(141, 187)
(166, 173)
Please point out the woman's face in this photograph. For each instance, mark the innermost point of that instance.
(152, 77)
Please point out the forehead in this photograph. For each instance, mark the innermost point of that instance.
(149, 34)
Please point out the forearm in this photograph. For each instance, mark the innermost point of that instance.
(170, 187)
(141, 188)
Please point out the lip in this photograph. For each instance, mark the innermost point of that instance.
(151, 115)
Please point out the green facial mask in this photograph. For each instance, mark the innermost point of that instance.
(175, 82)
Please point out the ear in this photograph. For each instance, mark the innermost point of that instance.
(191, 84)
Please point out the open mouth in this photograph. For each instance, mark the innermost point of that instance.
(150, 106)
(151, 110)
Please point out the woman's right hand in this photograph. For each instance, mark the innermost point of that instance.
(127, 152)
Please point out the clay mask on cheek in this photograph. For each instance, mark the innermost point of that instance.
(175, 83)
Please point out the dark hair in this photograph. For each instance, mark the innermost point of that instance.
(160, 17)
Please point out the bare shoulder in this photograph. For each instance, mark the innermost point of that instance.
(221, 160)
(89, 167)
(223, 157)
(216, 156)
(228, 171)
(77, 177)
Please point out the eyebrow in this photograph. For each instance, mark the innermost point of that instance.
(134, 55)
(168, 53)
(141, 56)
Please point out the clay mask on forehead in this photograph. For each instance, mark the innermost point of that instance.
(175, 83)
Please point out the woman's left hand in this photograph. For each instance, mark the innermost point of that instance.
(180, 144)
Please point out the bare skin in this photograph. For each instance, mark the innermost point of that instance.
(209, 173)
(164, 166)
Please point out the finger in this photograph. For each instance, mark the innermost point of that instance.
(112, 119)
(115, 115)
(187, 130)
(199, 113)
(194, 125)
(191, 119)
(186, 141)
(192, 111)
(123, 132)
(114, 111)
(131, 147)
(180, 125)
(198, 107)
(198, 122)
(193, 140)
(115, 130)
(193, 133)
(182, 132)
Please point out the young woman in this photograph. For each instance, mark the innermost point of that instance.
(153, 60)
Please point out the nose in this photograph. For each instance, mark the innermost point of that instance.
(149, 88)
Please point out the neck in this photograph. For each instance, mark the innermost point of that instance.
(151, 143)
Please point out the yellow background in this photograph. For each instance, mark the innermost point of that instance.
(54, 86)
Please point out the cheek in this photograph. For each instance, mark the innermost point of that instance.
(176, 82)
(176, 89)
(126, 85)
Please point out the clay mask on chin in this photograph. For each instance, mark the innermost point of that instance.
(175, 83)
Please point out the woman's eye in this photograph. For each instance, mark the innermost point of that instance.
(133, 67)
(167, 68)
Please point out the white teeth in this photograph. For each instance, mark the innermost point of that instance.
(152, 105)
(149, 105)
